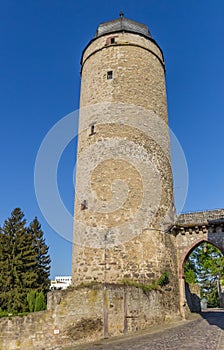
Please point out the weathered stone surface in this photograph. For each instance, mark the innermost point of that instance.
(193, 229)
(138, 68)
(193, 297)
(124, 170)
(204, 333)
(200, 217)
(190, 230)
(77, 316)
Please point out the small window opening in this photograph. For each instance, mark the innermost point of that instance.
(110, 74)
(84, 205)
(92, 130)
(111, 40)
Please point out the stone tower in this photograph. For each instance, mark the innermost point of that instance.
(124, 188)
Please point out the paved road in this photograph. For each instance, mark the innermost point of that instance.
(205, 333)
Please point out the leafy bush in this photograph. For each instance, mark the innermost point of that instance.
(40, 302)
(31, 299)
(164, 279)
(3, 313)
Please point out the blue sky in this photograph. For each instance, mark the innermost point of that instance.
(41, 45)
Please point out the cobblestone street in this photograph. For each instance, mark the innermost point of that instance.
(204, 333)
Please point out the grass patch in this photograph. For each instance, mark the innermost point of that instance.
(87, 284)
(4, 313)
(155, 285)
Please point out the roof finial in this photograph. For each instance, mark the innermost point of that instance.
(121, 14)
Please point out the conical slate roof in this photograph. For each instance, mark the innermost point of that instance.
(122, 24)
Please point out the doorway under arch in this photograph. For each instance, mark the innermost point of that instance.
(202, 276)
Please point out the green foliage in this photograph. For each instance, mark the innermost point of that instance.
(212, 296)
(40, 302)
(205, 266)
(190, 277)
(190, 272)
(85, 285)
(145, 287)
(164, 279)
(36, 301)
(128, 282)
(24, 263)
(14, 259)
(42, 268)
(3, 313)
(31, 298)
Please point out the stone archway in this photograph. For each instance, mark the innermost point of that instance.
(190, 231)
(191, 294)
(191, 249)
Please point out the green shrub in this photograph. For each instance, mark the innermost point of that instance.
(31, 299)
(3, 313)
(40, 302)
(164, 279)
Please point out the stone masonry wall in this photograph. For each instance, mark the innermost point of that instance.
(75, 316)
(142, 260)
(138, 73)
(192, 229)
(200, 217)
(124, 172)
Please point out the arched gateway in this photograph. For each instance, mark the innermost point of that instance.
(191, 230)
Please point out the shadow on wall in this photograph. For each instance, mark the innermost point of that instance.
(214, 317)
(193, 300)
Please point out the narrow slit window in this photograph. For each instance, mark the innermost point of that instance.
(112, 40)
(84, 205)
(92, 130)
(110, 74)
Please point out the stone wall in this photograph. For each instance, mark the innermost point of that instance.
(138, 73)
(193, 229)
(200, 217)
(193, 297)
(75, 316)
(124, 172)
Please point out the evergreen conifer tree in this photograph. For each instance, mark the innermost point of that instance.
(43, 258)
(16, 257)
(5, 275)
(24, 263)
